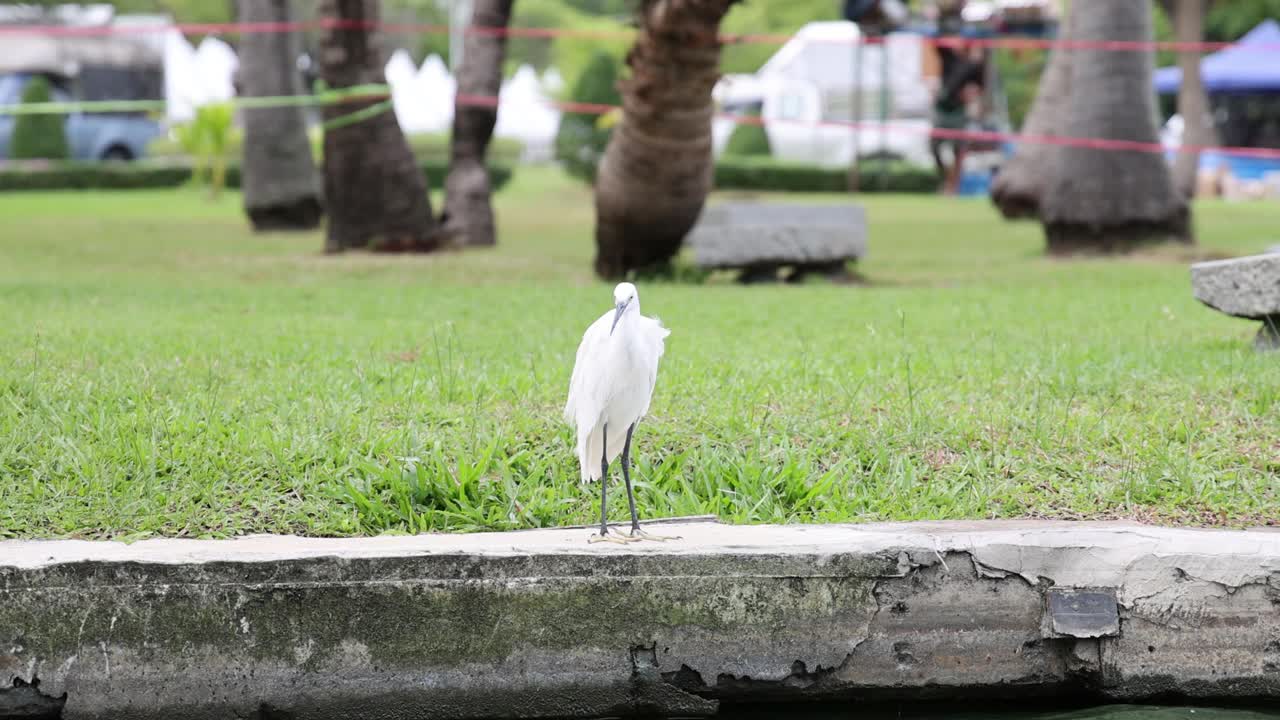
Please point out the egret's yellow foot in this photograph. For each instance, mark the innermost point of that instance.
(612, 537)
(638, 534)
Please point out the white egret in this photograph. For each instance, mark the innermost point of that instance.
(613, 379)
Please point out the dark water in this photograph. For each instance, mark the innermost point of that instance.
(971, 711)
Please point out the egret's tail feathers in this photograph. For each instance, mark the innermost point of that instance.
(591, 451)
(589, 455)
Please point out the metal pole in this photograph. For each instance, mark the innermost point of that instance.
(856, 111)
(884, 109)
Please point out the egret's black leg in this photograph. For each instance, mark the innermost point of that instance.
(626, 475)
(604, 493)
(636, 532)
(604, 480)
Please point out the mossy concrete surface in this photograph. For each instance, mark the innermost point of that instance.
(542, 624)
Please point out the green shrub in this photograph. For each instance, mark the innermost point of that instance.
(207, 139)
(580, 142)
(39, 136)
(150, 174)
(749, 139)
(769, 174)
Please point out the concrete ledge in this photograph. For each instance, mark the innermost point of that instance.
(541, 624)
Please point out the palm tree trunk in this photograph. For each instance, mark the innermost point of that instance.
(280, 180)
(468, 212)
(1019, 184)
(1106, 200)
(656, 172)
(376, 192)
(1193, 102)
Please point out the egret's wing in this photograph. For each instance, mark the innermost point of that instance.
(587, 398)
(588, 369)
(654, 335)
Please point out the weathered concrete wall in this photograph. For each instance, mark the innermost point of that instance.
(542, 624)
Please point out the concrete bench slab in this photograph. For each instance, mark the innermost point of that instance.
(1244, 287)
(761, 238)
(543, 624)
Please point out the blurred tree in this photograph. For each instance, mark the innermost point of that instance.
(1193, 102)
(39, 137)
(1224, 22)
(468, 212)
(1229, 21)
(280, 180)
(657, 169)
(1107, 200)
(1017, 188)
(580, 141)
(420, 12)
(538, 52)
(375, 191)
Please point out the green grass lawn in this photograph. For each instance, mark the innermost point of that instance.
(165, 372)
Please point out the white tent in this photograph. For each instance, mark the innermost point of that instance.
(437, 88)
(525, 113)
(180, 77)
(217, 64)
(412, 106)
(552, 81)
(192, 77)
(422, 96)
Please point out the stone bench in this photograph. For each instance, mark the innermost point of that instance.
(1244, 287)
(762, 238)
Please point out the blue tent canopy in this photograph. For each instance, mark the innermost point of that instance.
(1252, 65)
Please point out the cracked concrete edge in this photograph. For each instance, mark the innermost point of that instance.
(1136, 558)
(728, 611)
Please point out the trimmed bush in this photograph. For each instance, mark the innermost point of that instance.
(42, 137)
(748, 139)
(771, 175)
(580, 143)
(91, 176)
(151, 175)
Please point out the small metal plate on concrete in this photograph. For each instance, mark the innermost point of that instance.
(745, 234)
(1083, 613)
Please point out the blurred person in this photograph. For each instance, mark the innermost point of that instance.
(957, 96)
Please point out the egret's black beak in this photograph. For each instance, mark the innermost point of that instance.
(617, 314)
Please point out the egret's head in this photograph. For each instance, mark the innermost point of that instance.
(624, 298)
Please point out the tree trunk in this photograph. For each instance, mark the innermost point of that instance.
(1193, 102)
(468, 212)
(1017, 187)
(1106, 200)
(656, 172)
(376, 192)
(280, 180)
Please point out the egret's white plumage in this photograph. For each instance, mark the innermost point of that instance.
(613, 379)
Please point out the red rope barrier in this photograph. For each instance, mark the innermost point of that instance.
(942, 133)
(1006, 43)
(589, 108)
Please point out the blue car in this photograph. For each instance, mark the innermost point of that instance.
(90, 136)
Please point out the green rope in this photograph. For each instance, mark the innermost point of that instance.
(357, 116)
